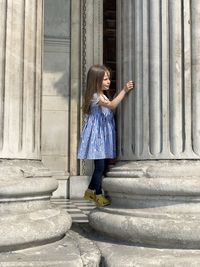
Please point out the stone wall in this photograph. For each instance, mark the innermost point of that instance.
(55, 101)
(56, 90)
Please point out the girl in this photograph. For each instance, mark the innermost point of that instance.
(98, 137)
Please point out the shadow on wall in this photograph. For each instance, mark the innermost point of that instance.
(62, 85)
(56, 71)
(56, 68)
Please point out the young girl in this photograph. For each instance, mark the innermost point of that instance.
(98, 139)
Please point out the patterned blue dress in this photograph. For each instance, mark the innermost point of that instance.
(98, 138)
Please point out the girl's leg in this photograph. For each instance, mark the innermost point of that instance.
(106, 167)
(96, 180)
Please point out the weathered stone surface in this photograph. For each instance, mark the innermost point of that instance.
(89, 251)
(160, 208)
(32, 229)
(27, 218)
(73, 250)
(123, 255)
(148, 228)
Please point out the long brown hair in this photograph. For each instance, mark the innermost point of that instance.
(93, 84)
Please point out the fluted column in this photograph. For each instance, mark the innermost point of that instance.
(20, 78)
(158, 48)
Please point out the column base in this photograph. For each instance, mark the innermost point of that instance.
(27, 218)
(74, 250)
(115, 254)
(154, 203)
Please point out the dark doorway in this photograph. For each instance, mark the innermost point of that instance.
(109, 46)
(109, 40)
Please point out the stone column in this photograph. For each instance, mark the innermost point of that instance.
(156, 203)
(21, 47)
(26, 186)
(157, 47)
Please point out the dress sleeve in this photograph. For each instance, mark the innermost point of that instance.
(95, 99)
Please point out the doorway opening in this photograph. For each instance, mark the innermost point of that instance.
(109, 41)
(110, 47)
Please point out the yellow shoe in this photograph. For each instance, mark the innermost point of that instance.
(102, 201)
(89, 195)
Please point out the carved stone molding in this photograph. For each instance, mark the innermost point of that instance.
(62, 45)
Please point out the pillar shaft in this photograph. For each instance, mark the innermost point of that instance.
(20, 78)
(158, 48)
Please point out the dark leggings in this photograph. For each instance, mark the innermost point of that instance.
(100, 166)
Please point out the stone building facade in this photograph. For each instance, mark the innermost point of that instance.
(157, 46)
(154, 186)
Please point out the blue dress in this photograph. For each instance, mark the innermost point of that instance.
(98, 138)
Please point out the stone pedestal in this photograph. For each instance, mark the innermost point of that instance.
(27, 218)
(153, 204)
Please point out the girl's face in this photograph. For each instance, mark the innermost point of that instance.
(106, 81)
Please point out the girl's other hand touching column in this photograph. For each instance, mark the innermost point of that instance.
(129, 86)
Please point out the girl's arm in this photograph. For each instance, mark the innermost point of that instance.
(115, 102)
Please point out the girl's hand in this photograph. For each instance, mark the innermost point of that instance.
(129, 86)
